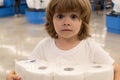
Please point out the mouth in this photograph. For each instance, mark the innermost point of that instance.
(66, 30)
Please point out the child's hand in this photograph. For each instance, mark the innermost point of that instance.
(12, 76)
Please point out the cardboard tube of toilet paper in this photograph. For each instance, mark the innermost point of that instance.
(99, 72)
(68, 73)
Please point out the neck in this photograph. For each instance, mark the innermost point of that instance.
(66, 44)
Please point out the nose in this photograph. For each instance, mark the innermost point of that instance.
(67, 22)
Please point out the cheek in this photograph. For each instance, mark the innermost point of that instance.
(78, 24)
(56, 23)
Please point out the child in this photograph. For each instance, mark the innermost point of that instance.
(70, 43)
(17, 7)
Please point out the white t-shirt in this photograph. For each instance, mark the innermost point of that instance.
(86, 52)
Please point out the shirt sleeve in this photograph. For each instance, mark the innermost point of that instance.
(38, 52)
(100, 55)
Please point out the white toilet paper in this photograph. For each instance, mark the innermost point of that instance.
(41, 70)
(40, 73)
(41, 4)
(116, 5)
(99, 72)
(34, 70)
(30, 3)
(37, 4)
(1, 2)
(46, 2)
(68, 73)
(20, 68)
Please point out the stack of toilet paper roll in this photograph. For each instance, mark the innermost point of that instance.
(37, 4)
(1, 2)
(116, 5)
(40, 70)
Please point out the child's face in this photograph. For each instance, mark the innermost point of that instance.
(67, 25)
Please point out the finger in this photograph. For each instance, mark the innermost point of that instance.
(13, 72)
(13, 76)
(16, 77)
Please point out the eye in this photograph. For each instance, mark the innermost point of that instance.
(60, 16)
(74, 16)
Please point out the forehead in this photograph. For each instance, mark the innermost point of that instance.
(67, 13)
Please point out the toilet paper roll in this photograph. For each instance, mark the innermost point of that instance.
(46, 3)
(38, 4)
(41, 4)
(20, 68)
(68, 73)
(40, 73)
(116, 5)
(34, 70)
(99, 72)
(30, 3)
(1, 2)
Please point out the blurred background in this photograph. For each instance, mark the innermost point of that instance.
(20, 34)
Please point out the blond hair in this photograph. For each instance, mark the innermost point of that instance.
(59, 6)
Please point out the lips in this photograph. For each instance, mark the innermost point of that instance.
(66, 30)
